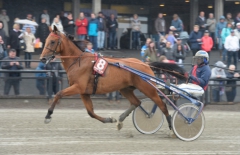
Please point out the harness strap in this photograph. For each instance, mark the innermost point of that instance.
(96, 76)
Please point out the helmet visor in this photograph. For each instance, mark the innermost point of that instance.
(197, 60)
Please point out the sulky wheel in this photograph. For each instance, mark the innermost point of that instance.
(144, 123)
(182, 129)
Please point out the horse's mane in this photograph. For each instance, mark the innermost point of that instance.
(81, 44)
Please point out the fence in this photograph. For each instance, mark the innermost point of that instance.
(29, 90)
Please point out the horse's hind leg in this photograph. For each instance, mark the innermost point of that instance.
(89, 106)
(72, 90)
(135, 102)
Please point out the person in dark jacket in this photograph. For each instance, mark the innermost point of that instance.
(14, 64)
(176, 24)
(237, 19)
(40, 83)
(56, 78)
(101, 30)
(2, 33)
(201, 22)
(112, 27)
(201, 72)
(68, 24)
(168, 51)
(231, 91)
(93, 27)
(13, 40)
(179, 54)
(195, 39)
(43, 32)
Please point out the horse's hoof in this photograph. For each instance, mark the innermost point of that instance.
(113, 120)
(47, 120)
(119, 125)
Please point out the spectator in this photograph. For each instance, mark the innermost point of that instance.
(89, 48)
(14, 39)
(231, 91)
(2, 33)
(162, 43)
(207, 42)
(5, 19)
(112, 27)
(151, 53)
(43, 31)
(220, 25)
(13, 64)
(201, 22)
(3, 52)
(117, 97)
(237, 19)
(237, 34)
(30, 40)
(170, 38)
(160, 27)
(40, 83)
(218, 73)
(225, 33)
(176, 24)
(229, 19)
(57, 79)
(179, 55)
(46, 16)
(68, 24)
(101, 31)
(232, 47)
(164, 59)
(58, 24)
(195, 39)
(93, 27)
(82, 24)
(33, 28)
(179, 42)
(136, 29)
(168, 51)
(63, 16)
(146, 46)
(211, 23)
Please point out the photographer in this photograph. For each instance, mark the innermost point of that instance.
(13, 64)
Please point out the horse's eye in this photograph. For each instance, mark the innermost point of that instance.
(52, 42)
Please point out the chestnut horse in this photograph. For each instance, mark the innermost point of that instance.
(79, 68)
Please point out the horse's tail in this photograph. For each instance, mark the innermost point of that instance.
(170, 68)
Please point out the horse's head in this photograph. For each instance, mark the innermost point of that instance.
(52, 46)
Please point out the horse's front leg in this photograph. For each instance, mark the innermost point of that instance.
(72, 90)
(89, 106)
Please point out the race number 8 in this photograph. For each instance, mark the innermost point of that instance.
(101, 64)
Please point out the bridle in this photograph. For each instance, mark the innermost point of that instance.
(53, 51)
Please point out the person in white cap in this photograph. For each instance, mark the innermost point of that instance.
(237, 34)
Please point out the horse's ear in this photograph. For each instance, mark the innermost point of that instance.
(55, 28)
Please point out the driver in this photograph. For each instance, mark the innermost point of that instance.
(201, 72)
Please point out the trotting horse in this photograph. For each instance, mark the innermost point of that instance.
(79, 68)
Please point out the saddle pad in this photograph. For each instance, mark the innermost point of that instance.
(192, 89)
(100, 66)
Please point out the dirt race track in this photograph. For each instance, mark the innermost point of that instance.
(72, 131)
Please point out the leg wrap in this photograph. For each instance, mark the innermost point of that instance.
(126, 113)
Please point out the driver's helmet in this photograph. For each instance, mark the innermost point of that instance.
(201, 57)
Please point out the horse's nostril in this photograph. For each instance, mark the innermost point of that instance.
(44, 60)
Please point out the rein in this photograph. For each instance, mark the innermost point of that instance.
(65, 57)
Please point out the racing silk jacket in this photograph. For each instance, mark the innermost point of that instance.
(200, 75)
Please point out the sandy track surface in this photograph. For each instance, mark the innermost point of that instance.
(22, 132)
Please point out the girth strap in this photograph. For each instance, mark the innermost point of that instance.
(96, 76)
